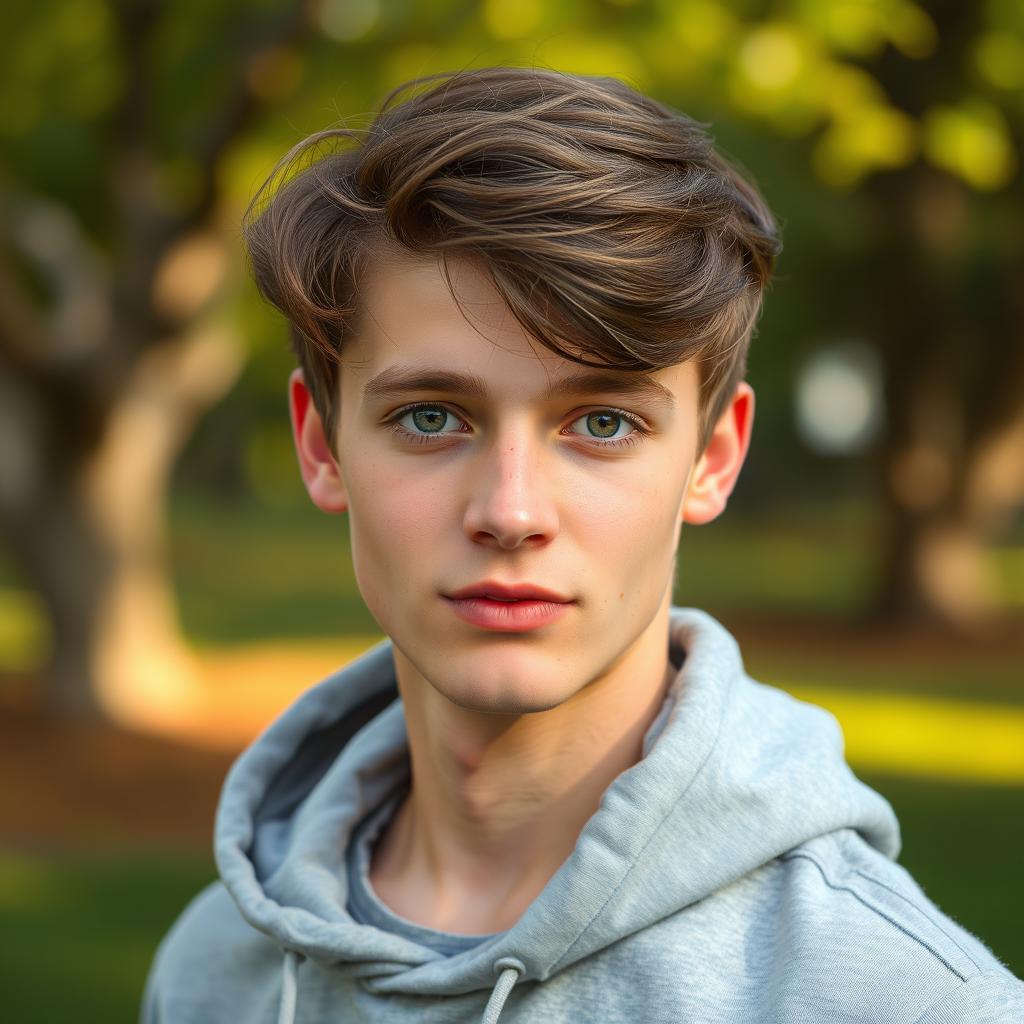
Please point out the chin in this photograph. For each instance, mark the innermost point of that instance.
(504, 700)
(507, 707)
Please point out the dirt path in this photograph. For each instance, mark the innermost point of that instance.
(97, 786)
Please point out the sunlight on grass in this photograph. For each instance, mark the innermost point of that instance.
(245, 688)
(927, 737)
(268, 597)
(903, 734)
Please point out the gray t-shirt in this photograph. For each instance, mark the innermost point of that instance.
(366, 907)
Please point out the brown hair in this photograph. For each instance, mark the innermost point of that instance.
(613, 230)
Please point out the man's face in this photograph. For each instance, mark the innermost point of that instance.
(578, 491)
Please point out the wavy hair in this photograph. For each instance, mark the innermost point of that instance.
(611, 227)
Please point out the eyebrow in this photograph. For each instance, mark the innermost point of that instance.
(396, 381)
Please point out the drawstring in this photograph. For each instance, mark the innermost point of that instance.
(289, 986)
(509, 971)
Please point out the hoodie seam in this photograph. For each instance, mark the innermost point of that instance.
(870, 905)
(643, 849)
(923, 913)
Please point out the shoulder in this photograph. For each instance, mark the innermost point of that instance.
(880, 897)
(990, 998)
(832, 930)
(206, 952)
(867, 916)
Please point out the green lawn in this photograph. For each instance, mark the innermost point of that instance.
(996, 680)
(245, 570)
(965, 847)
(80, 931)
(250, 571)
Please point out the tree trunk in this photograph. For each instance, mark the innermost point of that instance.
(91, 537)
(952, 464)
(947, 290)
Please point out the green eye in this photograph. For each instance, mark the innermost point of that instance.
(605, 424)
(429, 420)
(426, 420)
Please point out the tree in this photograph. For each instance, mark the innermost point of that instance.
(110, 347)
(917, 113)
(118, 235)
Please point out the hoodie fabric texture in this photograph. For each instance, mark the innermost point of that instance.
(739, 872)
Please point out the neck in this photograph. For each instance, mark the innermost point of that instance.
(498, 801)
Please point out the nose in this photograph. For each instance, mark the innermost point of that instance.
(511, 502)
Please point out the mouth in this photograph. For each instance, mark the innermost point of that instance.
(504, 593)
(507, 607)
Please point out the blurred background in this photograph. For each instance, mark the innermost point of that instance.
(165, 585)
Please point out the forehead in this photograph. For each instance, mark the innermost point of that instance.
(414, 335)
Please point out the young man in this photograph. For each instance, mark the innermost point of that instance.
(521, 305)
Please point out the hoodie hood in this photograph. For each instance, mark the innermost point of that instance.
(735, 774)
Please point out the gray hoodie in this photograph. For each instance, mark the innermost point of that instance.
(739, 872)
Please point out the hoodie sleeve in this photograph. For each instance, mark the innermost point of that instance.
(148, 1013)
(988, 998)
(150, 1010)
(158, 985)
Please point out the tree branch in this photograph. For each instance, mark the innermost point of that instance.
(239, 109)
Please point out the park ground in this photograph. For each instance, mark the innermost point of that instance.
(105, 832)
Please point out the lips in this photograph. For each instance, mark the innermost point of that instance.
(509, 592)
(506, 608)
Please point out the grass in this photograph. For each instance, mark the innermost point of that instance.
(253, 572)
(993, 681)
(247, 571)
(964, 845)
(80, 930)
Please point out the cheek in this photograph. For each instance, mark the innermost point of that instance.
(633, 521)
(625, 536)
(396, 518)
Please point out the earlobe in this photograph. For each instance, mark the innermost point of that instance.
(320, 471)
(718, 467)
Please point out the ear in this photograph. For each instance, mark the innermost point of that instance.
(320, 471)
(719, 465)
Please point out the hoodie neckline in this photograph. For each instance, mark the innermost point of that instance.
(710, 792)
(367, 908)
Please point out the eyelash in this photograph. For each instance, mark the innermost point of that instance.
(639, 432)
